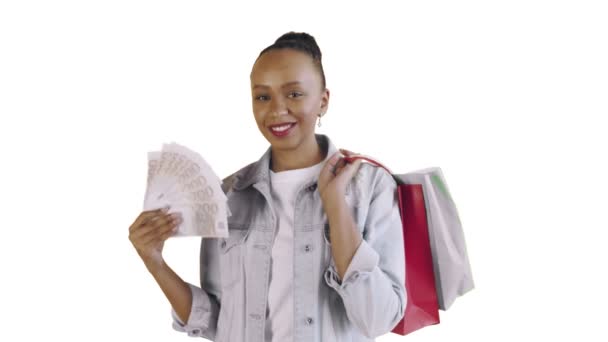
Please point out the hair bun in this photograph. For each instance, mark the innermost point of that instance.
(300, 41)
(301, 38)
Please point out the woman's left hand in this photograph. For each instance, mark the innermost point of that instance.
(335, 175)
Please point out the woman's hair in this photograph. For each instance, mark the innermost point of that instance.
(300, 41)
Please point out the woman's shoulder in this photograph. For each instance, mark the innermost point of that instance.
(371, 179)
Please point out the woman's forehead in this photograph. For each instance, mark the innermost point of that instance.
(283, 66)
(285, 78)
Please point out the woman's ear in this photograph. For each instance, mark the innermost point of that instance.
(324, 101)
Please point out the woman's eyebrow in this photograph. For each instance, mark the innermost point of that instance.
(292, 83)
(288, 84)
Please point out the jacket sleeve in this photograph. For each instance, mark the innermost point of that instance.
(373, 289)
(202, 321)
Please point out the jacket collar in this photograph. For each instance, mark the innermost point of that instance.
(258, 172)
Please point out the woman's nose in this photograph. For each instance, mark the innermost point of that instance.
(278, 107)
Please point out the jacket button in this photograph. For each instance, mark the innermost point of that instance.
(309, 321)
(307, 248)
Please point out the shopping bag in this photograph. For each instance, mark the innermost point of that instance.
(453, 276)
(422, 307)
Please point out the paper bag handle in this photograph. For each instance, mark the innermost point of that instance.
(367, 159)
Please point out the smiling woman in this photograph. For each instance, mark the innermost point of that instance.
(289, 94)
(314, 253)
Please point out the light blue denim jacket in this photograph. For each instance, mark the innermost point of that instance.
(231, 303)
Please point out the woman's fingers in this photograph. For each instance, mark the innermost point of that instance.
(348, 153)
(157, 237)
(152, 223)
(328, 171)
(158, 226)
(154, 228)
(145, 216)
(150, 230)
(169, 233)
(350, 169)
(347, 162)
(336, 164)
(167, 228)
(160, 236)
(332, 162)
(339, 166)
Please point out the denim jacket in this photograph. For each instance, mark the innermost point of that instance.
(231, 302)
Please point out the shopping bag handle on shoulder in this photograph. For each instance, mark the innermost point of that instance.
(368, 159)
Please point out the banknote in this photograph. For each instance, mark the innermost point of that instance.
(181, 178)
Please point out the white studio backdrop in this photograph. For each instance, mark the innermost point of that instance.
(507, 97)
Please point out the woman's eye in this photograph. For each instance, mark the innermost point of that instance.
(261, 98)
(295, 94)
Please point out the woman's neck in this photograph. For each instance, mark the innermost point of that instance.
(301, 157)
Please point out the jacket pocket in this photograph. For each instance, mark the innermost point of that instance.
(232, 251)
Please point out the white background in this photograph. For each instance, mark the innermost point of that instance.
(507, 97)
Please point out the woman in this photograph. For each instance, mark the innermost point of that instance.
(315, 249)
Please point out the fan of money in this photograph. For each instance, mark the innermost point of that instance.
(181, 178)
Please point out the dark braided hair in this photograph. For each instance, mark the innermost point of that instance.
(300, 41)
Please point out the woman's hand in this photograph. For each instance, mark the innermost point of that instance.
(149, 232)
(335, 175)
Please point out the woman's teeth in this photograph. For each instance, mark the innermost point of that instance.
(281, 128)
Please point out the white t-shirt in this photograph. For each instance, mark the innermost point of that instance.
(279, 315)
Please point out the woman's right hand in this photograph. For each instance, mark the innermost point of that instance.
(149, 232)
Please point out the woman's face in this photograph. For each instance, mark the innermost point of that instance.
(287, 98)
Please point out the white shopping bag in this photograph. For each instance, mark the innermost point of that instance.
(453, 276)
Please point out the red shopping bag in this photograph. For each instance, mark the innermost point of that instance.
(422, 307)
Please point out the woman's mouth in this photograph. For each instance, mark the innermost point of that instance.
(282, 130)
